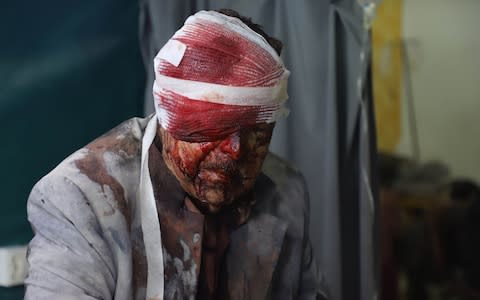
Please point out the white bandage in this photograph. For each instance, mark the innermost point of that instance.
(249, 72)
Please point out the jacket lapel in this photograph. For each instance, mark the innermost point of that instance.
(252, 257)
(254, 249)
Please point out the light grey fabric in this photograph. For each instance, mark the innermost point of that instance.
(329, 134)
(85, 222)
(88, 242)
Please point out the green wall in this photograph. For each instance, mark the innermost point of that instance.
(69, 71)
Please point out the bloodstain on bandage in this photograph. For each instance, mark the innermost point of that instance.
(197, 121)
(216, 75)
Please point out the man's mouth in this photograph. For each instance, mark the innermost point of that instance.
(219, 172)
(217, 175)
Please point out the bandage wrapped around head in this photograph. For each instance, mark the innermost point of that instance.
(216, 75)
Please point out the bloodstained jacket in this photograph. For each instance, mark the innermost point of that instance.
(88, 241)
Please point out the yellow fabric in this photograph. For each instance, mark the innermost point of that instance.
(387, 73)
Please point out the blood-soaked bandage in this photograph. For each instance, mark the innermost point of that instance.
(216, 75)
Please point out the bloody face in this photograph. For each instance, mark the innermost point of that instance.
(218, 172)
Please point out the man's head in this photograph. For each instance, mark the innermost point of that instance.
(218, 94)
(275, 43)
(464, 191)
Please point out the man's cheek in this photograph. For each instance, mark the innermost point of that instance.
(251, 166)
(261, 152)
(189, 156)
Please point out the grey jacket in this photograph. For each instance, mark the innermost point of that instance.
(88, 241)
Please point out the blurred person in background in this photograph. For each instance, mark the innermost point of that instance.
(458, 225)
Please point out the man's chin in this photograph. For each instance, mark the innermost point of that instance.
(213, 200)
(212, 209)
(207, 207)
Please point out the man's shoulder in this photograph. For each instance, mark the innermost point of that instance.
(121, 143)
(286, 178)
(123, 140)
(280, 170)
(109, 164)
(282, 192)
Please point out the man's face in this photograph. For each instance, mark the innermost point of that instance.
(218, 172)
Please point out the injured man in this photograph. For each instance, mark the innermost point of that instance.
(187, 203)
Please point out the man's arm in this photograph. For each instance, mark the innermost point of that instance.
(312, 285)
(68, 258)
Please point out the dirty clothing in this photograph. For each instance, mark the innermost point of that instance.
(180, 218)
(89, 242)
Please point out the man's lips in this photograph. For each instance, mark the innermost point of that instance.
(221, 170)
(217, 175)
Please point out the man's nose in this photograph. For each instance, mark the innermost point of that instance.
(231, 145)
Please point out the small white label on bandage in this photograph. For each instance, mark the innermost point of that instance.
(173, 52)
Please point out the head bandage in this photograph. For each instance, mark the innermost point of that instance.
(216, 75)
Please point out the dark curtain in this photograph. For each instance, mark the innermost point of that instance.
(329, 134)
